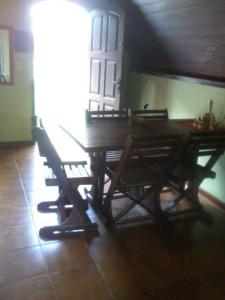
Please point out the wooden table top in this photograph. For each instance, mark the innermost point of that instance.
(111, 134)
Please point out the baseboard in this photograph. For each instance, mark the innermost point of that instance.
(213, 199)
(16, 144)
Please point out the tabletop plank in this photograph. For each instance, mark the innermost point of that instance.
(111, 134)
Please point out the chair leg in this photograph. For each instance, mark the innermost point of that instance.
(107, 208)
(193, 192)
(188, 191)
(137, 195)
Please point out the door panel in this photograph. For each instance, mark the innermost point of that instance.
(95, 76)
(106, 50)
(97, 27)
(93, 104)
(112, 32)
(110, 77)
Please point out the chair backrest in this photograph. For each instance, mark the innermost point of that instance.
(108, 114)
(151, 151)
(47, 150)
(44, 144)
(37, 121)
(152, 114)
(146, 152)
(206, 143)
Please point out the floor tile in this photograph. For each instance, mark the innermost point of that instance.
(7, 166)
(34, 288)
(143, 294)
(126, 275)
(135, 237)
(66, 256)
(18, 264)
(119, 266)
(17, 237)
(8, 175)
(85, 283)
(12, 185)
(196, 290)
(12, 199)
(209, 262)
(33, 184)
(166, 266)
(36, 196)
(105, 248)
(15, 215)
(35, 171)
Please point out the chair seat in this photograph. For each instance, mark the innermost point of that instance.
(136, 176)
(76, 173)
(139, 177)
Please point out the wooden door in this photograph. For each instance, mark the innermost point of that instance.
(106, 50)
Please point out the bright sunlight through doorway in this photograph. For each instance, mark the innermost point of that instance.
(60, 30)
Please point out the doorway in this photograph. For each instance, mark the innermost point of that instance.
(61, 31)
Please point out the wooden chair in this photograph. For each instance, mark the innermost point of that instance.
(108, 114)
(188, 175)
(152, 114)
(101, 115)
(70, 206)
(140, 176)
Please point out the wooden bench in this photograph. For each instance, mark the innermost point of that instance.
(70, 205)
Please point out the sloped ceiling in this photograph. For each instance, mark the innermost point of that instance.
(185, 37)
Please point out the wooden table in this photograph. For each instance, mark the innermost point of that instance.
(100, 136)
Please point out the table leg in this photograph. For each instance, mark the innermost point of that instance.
(98, 168)
(101, 157)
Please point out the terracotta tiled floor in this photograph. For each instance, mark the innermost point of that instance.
(186, 261)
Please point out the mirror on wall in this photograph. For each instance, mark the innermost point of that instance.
(5, 55)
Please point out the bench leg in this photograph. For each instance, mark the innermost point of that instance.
(74, 223)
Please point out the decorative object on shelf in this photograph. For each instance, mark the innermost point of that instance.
(198, 123)
(207, 121)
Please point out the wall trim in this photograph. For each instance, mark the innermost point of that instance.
(212, 199)
(16, 144)
(220, 82)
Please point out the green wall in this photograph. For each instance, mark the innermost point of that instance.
(183, 100)
(16, 102)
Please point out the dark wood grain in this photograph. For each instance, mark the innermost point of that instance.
(194, 10)
(179, 37)
(190, 79)
(111, 134)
